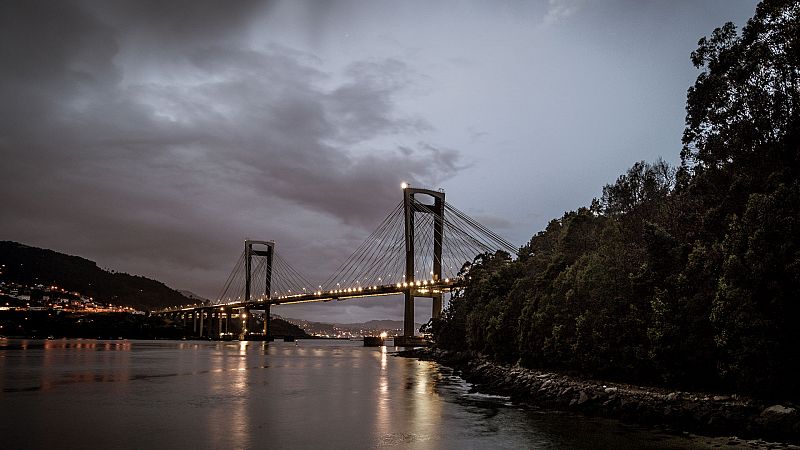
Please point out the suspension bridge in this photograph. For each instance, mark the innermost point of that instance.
(419, 250)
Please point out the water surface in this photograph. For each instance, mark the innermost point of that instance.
(309, 394)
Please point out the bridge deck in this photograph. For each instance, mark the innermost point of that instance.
(420, 289)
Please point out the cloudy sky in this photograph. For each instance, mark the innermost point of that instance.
(153, 137)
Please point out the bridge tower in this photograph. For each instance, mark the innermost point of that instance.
(249, 252)
(410, 207)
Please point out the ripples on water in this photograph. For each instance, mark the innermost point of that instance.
(309, 394)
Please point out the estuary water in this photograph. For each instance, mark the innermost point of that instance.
(308, 394)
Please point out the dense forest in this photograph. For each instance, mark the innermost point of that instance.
(685, 276)
(31, 266)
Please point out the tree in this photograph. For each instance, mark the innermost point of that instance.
(742, 112)
(690, 278)
(741, 148)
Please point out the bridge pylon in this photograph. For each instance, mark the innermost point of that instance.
(249, 252)
(410, 207)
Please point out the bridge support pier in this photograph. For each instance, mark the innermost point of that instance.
(411, 206)
(267, 332)
(250, 321)
(211, 315)
(437, 306)
(408, 317)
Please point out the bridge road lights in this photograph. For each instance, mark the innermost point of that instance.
(410, 207)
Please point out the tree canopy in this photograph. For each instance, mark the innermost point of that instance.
(687, 277)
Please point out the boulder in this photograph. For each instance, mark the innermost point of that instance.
(777, 410)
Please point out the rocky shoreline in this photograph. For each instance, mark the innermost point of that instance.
(696, 412)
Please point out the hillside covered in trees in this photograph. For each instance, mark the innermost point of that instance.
(31, 266)
(686, 276)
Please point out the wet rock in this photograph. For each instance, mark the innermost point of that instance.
(782, 419)
(777, 410)
(582, 398)
(693, 411)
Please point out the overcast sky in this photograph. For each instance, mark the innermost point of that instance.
(155, 136)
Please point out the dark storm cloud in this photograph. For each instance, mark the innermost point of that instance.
(146, 133)
(154, 136)
(177, 21)
(360, 106)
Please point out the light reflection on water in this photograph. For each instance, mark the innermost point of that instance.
(383, 419)
(319, 394)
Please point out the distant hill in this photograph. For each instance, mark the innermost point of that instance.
(193, 297)
(31, 265)
(380, 325)
(322, 328)
(280, 327)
